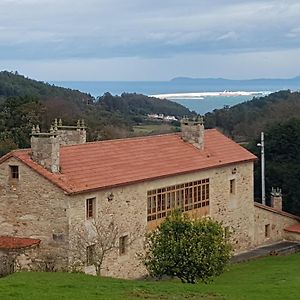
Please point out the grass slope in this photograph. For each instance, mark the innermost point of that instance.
(269, 278)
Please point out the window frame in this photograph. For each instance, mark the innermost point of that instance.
(123, 243)
(90, 255)
(267, 231)
(14, 172)
(186, 196)
(232, 186)
(90, 208)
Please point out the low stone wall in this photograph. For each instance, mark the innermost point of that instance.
(292, 236)
(30, 259)
(270, 223)
(7, 264)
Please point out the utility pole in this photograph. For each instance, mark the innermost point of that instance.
(263, 188)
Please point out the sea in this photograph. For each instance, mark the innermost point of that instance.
(201, 99)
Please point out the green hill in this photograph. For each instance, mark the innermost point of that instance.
(25, 102)
(246, 120)
(13, 84)
(278, 115)
(275, 278)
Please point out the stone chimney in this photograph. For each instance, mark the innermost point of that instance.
(276, 198)
(70, 135)
(45, 147)
(192, 131)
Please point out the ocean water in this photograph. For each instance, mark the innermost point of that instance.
(200, 104)
(209, 103)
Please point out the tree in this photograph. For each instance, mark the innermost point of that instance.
(17, 115)
(95, 240)
(282, 154)
(190, 249)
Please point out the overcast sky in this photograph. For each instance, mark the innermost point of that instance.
(150, 39)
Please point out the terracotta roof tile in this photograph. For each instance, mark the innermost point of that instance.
(9, 242)
(111, 163)
(293, 228)
(276, 211)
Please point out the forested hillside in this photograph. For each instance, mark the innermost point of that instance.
(282, 155)
(137, 105)
(13, 84)
(278, 115)
(25, 102)
(245, 121)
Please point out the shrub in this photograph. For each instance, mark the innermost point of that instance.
(190, 249)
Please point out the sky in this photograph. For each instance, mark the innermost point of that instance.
(150, 39)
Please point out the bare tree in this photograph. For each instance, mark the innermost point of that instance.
(95, 240)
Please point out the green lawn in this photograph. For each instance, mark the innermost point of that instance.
(268, 278)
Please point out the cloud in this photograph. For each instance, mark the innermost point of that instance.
(231, 35)
(54, 30)
(281, 63)
(294, 33)
(114, 28)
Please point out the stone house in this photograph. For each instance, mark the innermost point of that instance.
(63, 184)
(16, 252)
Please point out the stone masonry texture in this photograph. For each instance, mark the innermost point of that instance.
(33, 207)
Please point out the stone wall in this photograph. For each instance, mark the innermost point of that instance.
(128, 211)
(292, 236)
(71, 135)
(33, 207)
(7, 264)
(192, 131)
(235, 210)
(270, 223)
(24, 259)
(45, 151)
(128, 207)
(46, 146)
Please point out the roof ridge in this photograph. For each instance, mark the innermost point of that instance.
(125, 139)
(276, 211)
(138, 159)
(137, 138)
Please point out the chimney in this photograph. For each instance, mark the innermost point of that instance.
(276, 198)
(70, 135)
(45, 149)
(192, 131)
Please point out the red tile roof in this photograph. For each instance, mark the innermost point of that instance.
(104, 164)
(276, 211)
(9, 242)
(293, 228)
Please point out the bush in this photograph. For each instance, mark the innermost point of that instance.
(192, 250)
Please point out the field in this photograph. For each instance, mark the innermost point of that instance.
(267, 278)
(152, 129)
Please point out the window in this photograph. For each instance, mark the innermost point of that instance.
(232, 186)
(90, 255)
(267, 230)
(14, 172)
(186, 196)
(123, 240)
(58, 237)
(90, 208)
